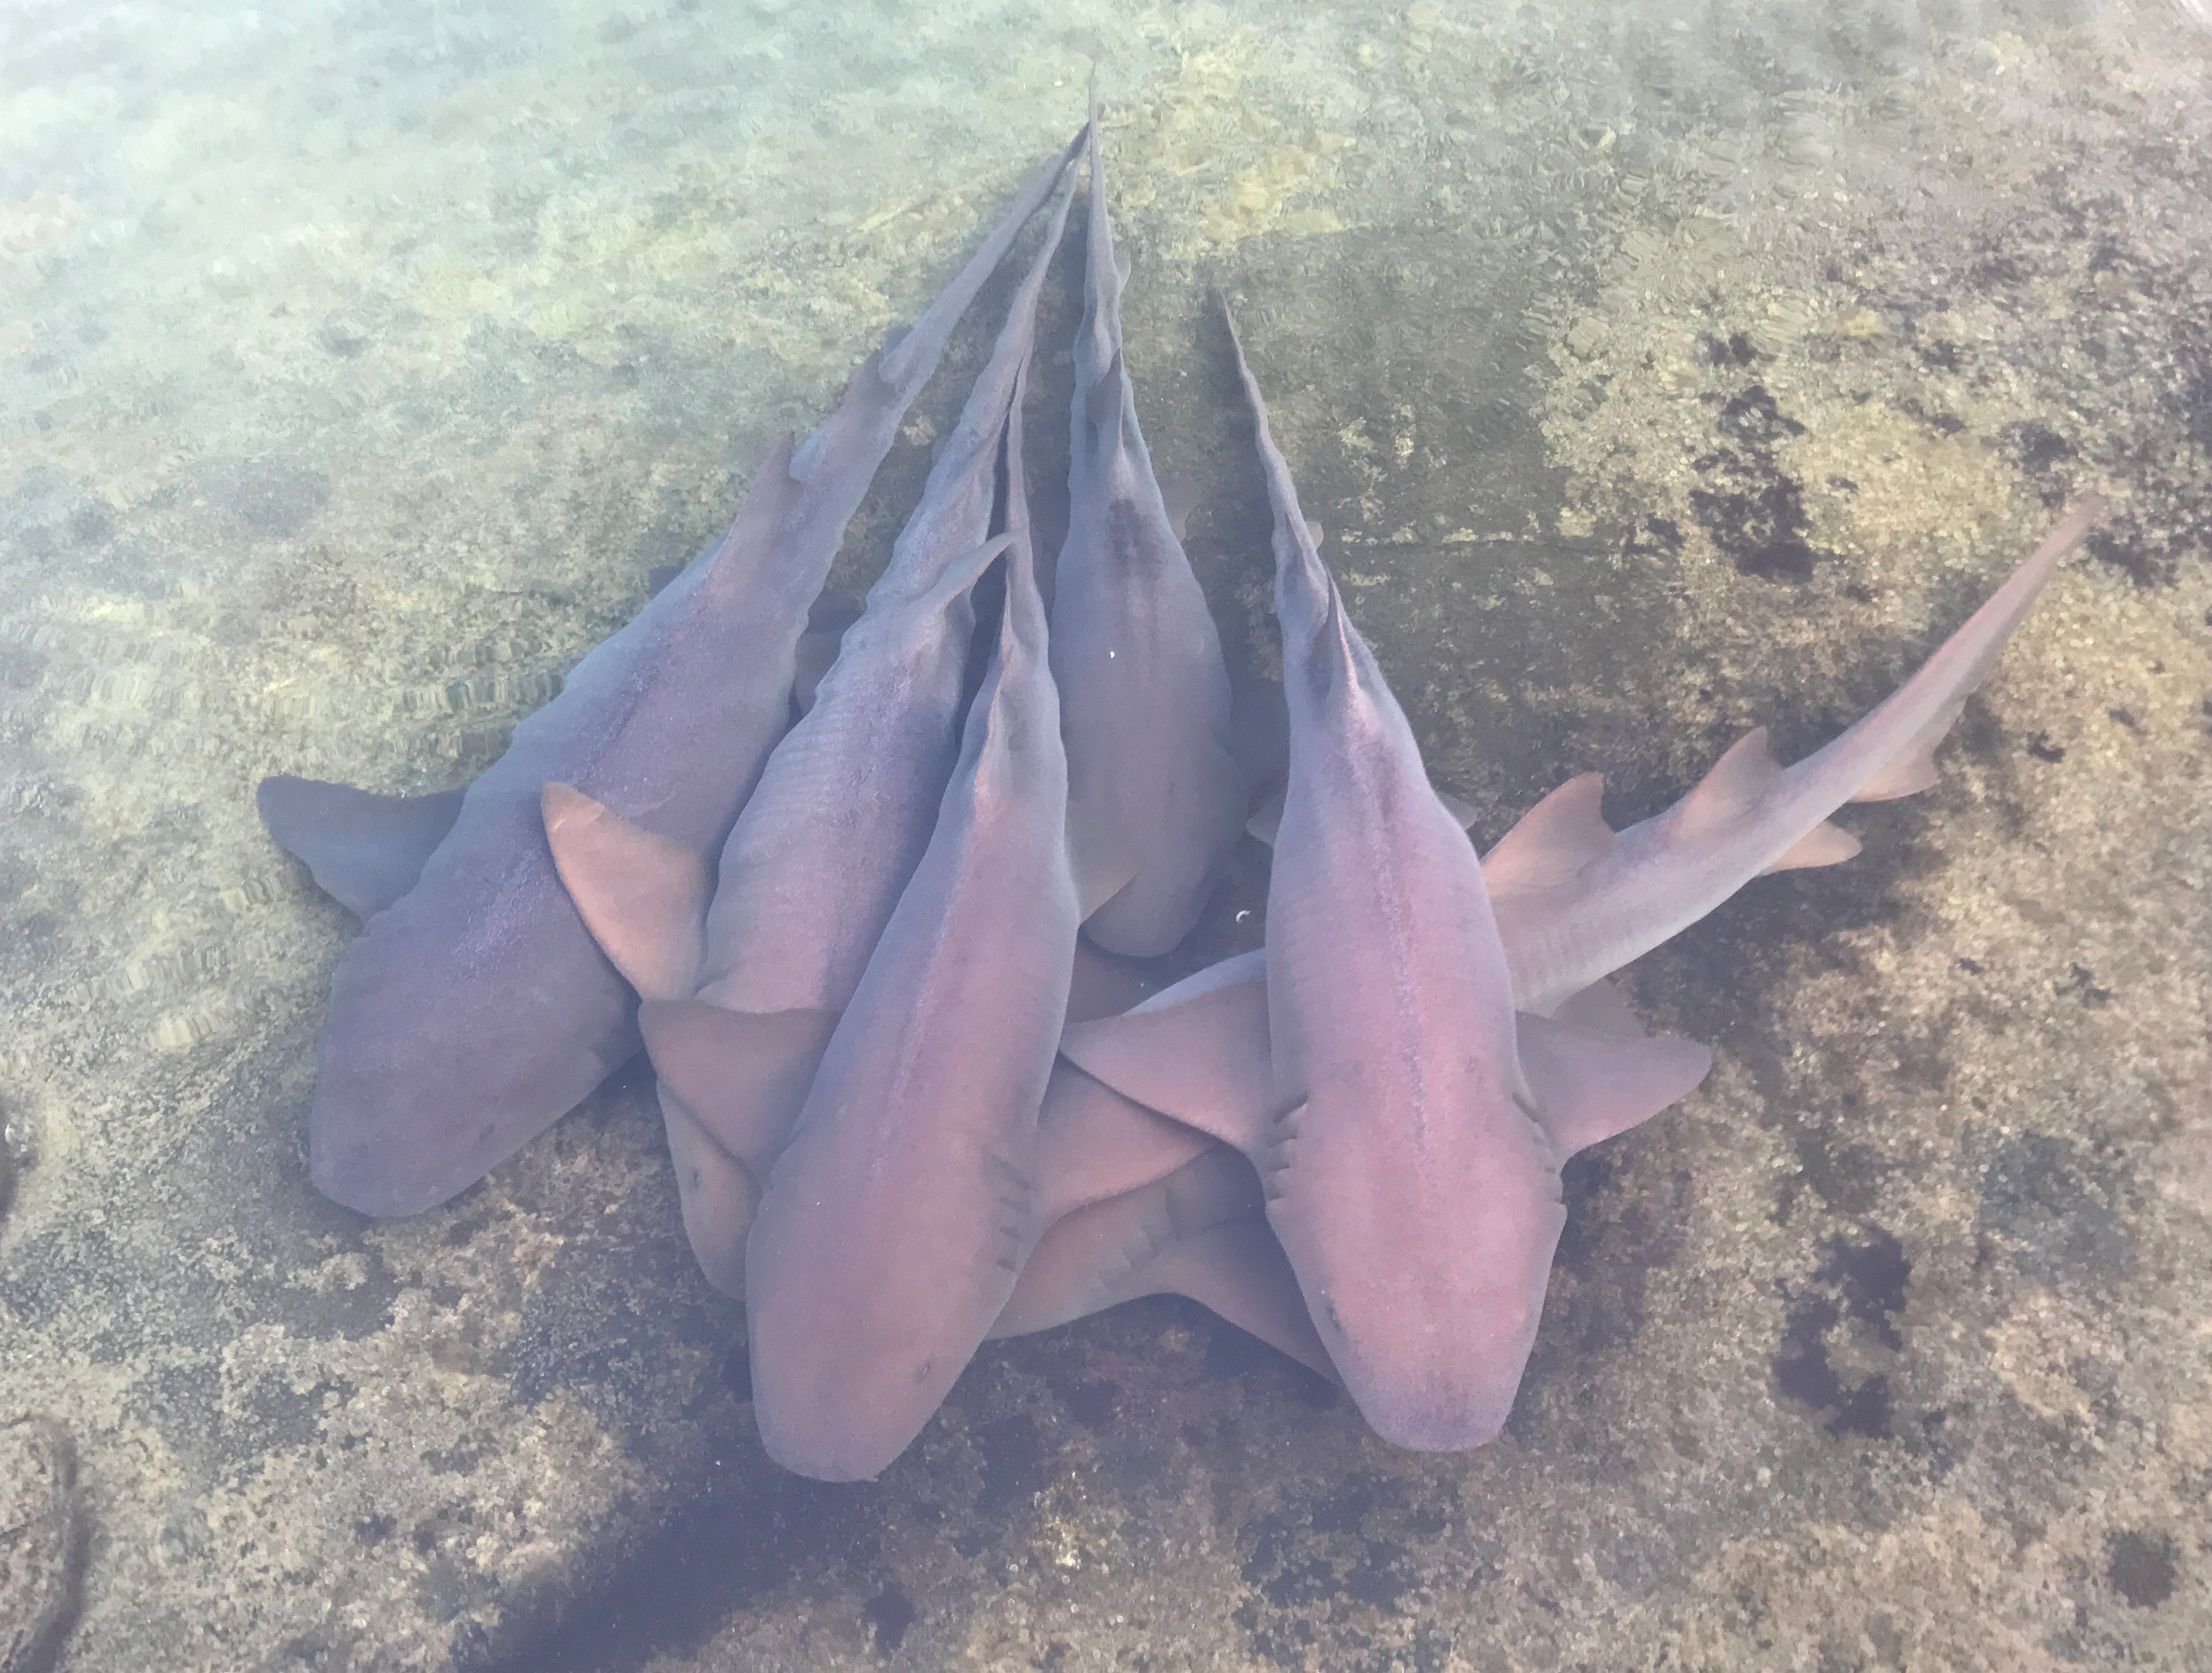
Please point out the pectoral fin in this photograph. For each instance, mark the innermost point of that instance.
(1200, 1231)
(365, 851)
(744, 1074)
(1093, 1144)
(1202, 1060)
(1266, 819)
(718, 1194)
(642, 896)
(1589, 1086)
(1102, 859)
(1102, 986)
(1238, 1270)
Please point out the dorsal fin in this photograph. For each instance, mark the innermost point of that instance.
(1553, 840)
(733, 562)
(642, 896)
(1730, 790)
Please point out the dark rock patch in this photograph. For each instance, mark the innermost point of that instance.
(1736, 349)
(1872, 1275)
(2035, 447)
(2142, 1568)
(1091, 1403)
(1015, 1460)
(760, 1529)
(1293, 1569)
(1861, 1281)
(2081, 982)
(2197, 410)
(1750, 508)
(1802, 1372)
(2055, 1206)
(270, 497)
(1752, 418)
(888, 1615)
(373, 1530)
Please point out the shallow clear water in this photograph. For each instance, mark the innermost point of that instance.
(1654, 373)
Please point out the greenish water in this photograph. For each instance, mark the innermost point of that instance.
(1654, 373)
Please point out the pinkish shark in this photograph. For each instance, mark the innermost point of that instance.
(742, 995)
(1156, 794)
(896, 1219)
(1436, 1131)
(475, 1009)
(1576, 899)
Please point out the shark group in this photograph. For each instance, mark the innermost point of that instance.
(867, 887)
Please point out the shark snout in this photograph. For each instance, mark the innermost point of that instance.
(1444, 1385)
(1433, 1355)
